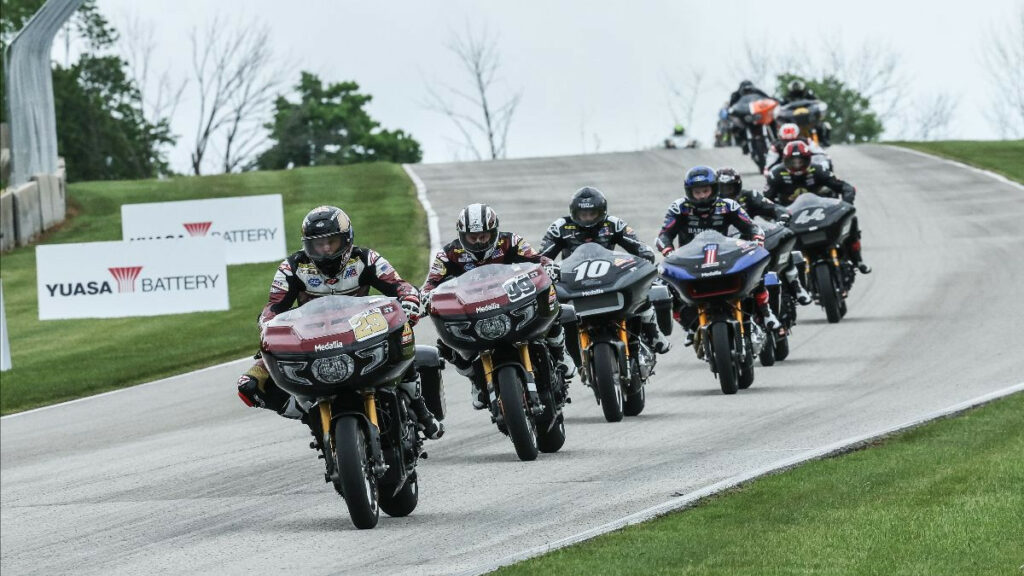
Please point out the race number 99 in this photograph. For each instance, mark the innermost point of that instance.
(519, 287)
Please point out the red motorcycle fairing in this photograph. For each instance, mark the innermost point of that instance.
(332, 322)
(491, 286)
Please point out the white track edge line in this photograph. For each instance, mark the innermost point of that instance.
(111, 392)
(421, 194)
(982, 171)
(690, 498)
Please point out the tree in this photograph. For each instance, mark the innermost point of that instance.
(481, 61)
(329, 125)
(1004, 57)
(849, 111)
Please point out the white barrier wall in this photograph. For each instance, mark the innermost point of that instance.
(116, 279)
(250, 227)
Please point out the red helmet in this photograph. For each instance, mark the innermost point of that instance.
(796, 157)
(789, 132)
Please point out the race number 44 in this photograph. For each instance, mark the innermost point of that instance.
(810, 216)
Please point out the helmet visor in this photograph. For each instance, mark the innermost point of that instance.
(326, 248)
(477, 241)
(796, 163)
(729, 189)
(586, 216)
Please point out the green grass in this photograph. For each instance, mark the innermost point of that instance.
(1004, 157)
(59, 360)
(945, 498)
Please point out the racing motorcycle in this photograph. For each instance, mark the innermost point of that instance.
(780, 242)
(754, 116)
(350, 358)
(500, 314)
(716, 275)
(821, 226)
(809, 115)
(606, 289)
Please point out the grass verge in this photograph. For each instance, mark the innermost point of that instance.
(59, 360)
(1004, 157)
(944, 498)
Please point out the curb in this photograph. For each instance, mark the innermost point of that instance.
(944, 160)
(693, 498)
(421, 195)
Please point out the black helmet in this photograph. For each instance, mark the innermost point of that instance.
(796, 88)
(588, 200)
(746, 86)
(729, 182)
(327, 238)
(701, 176)
(477, 218)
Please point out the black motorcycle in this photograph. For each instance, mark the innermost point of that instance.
(349, 358)
(809, 115)
(822, 225)
(780, 242)
(754, 125)
(606, 289)
(716, 275)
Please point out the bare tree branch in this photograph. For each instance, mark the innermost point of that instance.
(479, 57)
(686, 96)
(160, 100)
(933, 116)
(1004, 58)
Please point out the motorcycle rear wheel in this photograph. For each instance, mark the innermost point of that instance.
(781, 349)
(521, 427)
(358, 483)
(827, 292)
(402, 503)
(746, 369)
(550, 441)
(606, 374)
(767, 354)
(721, 349)
(634, 403)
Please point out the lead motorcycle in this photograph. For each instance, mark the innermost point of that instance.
(606, 289)
(349, 358)
(498, 315)
(822, 226)
(716, 274)
(754, 116)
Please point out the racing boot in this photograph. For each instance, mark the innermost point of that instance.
(257, 390)
(563, 361)
(690, 334)
(654, 336)
(770, 321)
(431, 426)
(803, 297)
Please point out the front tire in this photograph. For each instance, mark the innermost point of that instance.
(358, 483)
(521, 427)
(721, 349)
(404, 502)
(827, 292)
(606, 374)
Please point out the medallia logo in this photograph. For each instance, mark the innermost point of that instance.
(126, 277)
(197, 228)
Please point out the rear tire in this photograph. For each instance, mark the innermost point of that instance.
(827, 292)
(520, 426)
(781, 349)
(721, 348)
(634, 403)
(358, 483)
(550, 441)
(746, 371)
(403, 503)
(606, 374)
(767, 354)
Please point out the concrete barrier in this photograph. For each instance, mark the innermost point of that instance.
(52, 204)
(28, 217)
(8, 237)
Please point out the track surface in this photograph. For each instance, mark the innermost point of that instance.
(179, 476)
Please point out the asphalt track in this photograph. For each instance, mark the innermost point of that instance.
(178, 476)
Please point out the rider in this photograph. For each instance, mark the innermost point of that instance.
(730, 185)
(739, 135)
(798, 174)
(704, 209)
(588, 221)
(791, 133)
(329, 263)
(797, 90)
(481, 243)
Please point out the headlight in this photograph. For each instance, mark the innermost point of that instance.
(377, 355)
(333, 369)
(494, 327)
(525, 314)
(291, 371)
(458, 330)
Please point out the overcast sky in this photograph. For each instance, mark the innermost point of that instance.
(592, 73)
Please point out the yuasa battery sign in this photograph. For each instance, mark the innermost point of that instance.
(251, 227)
(116, 279)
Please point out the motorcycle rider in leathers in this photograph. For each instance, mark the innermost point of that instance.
(479, 243)
(703, 209)
(798, 174)
(791, 133)
(730, 185)
(588, 221)
(328, 264)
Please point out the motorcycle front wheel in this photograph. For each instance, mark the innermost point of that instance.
(606, 373)
(520, 425)
(721, 350)
(358, 483)
(827, 292)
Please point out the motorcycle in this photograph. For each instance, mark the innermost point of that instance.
(716, 275)
(501, 314)
(723, 129)
(754, 116)
(822, 225)
(349, 358)
(809, 115)
(606, 289)
(780, 242)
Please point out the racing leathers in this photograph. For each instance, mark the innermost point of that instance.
(298, 281)
(783, 187)
(452, 261)
(564, 236)
(684, 221)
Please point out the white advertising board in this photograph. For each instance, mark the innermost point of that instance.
(116, 279)
(251, 227)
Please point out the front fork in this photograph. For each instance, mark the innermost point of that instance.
(586, 341)
(701, 342)
(370, 412)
